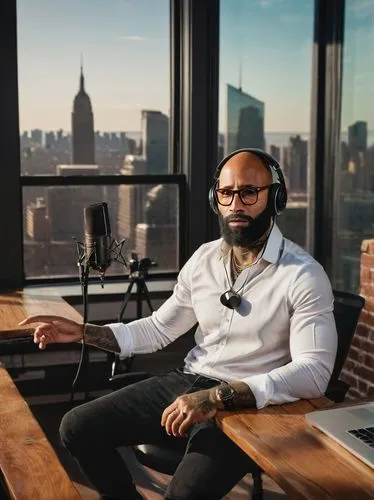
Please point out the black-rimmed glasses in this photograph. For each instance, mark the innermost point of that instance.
(247, 195)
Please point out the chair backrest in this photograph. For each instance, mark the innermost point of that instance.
(347, 309)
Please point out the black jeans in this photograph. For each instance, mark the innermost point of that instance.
(92, 432)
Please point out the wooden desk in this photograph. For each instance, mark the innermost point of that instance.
(15, 306)
(302, 460)
(28, 463)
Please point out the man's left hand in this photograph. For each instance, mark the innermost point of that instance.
(189, 409)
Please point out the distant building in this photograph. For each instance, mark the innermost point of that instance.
(157, 237)
(36, 137)
(131, 200)
(37, 222)
(358, 137)
(65, 207)
(155, 141)
(245, 121)
(275, 152)
(293, 222)
(354, 224)
(298, 164)
(83, 136)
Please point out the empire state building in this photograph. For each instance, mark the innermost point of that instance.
(83, 136)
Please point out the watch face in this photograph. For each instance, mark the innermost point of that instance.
(225, 393)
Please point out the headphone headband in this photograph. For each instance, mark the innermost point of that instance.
(277, 199)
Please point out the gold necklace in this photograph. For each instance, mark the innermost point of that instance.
(236, 267)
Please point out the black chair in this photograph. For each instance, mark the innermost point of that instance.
(347, 309)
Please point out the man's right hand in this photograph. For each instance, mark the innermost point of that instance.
(54, 329)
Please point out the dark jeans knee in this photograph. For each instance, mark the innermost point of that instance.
(211, 467)
(74, 430)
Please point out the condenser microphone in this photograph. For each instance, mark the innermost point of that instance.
(97, 237)
(231, 299)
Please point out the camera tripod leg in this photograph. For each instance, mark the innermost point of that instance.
(125, 301)
(146, 295)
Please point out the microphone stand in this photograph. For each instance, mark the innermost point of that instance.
(84, 357)
(84, 268)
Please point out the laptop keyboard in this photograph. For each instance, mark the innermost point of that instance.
(366, 435)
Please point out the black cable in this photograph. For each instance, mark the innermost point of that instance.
(83, 276)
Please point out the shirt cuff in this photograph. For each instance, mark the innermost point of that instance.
(262, 387)
(123, 337)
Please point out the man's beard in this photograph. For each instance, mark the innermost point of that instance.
(249, 236)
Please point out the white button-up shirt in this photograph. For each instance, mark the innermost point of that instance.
(281, 341)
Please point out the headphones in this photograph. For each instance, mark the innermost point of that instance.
(277, 198)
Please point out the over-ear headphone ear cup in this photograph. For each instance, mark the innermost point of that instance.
(277, 198)
(272, 196)
(281, 199)
(212, 199)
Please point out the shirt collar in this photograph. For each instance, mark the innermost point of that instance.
(272, 247)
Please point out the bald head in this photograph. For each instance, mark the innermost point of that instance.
(246, 166)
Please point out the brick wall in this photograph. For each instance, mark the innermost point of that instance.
(358, 370)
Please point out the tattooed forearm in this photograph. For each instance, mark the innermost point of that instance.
(101, 337)
(244, 397)
(206, 406)
(202, 401)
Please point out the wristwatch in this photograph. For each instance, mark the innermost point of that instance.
(225, 393)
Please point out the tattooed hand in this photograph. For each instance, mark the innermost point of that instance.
(189, 409)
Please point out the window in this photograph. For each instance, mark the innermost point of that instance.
(354, 184)
(94, 99)
(147, 220)
(265, 89)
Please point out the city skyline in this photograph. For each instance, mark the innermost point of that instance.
(125, 46)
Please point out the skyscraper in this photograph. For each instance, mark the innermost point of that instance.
(357, 137)
(245, 121)
(83, 136)
(157, 236)
(155, 141)
(131, 200)
(298, 164)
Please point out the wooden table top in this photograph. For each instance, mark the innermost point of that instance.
(16, 306)
(28, 462)
(304, 462)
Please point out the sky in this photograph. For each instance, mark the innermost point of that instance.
(125, 49)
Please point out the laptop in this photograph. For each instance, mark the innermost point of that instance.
(352, 427)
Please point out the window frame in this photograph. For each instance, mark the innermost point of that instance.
(194, 56)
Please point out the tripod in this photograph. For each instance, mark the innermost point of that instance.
(138, 273)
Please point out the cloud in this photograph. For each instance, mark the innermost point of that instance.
(133, 38)
(361, 5)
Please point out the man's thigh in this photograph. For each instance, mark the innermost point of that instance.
(131, 415)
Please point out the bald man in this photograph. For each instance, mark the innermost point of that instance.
(266, 335)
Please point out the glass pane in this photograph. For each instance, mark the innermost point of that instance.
(93, 85)
(354, 217)
(265, 89)
(145, 215)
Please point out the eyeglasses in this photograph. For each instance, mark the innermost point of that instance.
(247, 195)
